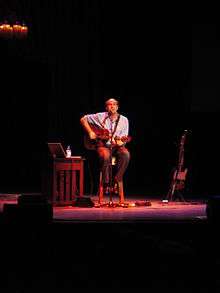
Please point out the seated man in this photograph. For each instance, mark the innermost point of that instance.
(108, 134)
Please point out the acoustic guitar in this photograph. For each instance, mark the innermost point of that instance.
(102, 136)
(179, 175)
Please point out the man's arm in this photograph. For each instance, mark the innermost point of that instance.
(125, 129)
(87, 127)
(123, 133)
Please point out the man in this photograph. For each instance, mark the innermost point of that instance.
(115, 127)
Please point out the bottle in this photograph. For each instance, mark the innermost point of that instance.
(68, 152)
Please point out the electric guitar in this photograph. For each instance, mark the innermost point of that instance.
(179, 175)
(102, 136)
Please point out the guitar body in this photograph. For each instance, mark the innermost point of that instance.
(179, 175)
(179, 178)
(103, 136)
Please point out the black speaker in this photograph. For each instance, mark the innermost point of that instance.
(213, 209)
(10, 213)
(36, 213)
(83, 201)
(29, 210)
(32, 199)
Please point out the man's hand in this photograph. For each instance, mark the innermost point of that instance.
(92, 135)
(119, 142)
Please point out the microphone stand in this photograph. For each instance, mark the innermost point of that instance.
(110, 204)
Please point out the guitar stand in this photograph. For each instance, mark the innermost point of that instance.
(174, 193)
(177, 183)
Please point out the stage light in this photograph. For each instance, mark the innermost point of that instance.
(6, 31)
(24, 31)
(13, 31)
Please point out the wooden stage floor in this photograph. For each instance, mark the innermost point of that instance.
(162, 247)
(190, 210)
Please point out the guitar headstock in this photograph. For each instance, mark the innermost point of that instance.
(183, 138)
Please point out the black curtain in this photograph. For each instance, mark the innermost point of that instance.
(76, 54)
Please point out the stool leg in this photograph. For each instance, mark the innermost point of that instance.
(121, 192)
(100, 192)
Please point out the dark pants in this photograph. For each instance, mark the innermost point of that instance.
(122, 159)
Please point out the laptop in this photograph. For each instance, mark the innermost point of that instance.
(56, 149)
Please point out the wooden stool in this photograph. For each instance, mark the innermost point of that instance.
(120, 187)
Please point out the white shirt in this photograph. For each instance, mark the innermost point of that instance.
(102, 119)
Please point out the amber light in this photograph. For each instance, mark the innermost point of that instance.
(16, 31)
(24, 31)
(6, 31)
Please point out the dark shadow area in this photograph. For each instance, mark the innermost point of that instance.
(52, 78)
(165, 72)
(60, 73)
(61, 257)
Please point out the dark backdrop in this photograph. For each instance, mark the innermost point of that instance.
(162, 68)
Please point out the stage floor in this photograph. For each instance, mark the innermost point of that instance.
(190, 210)
(159, 247)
